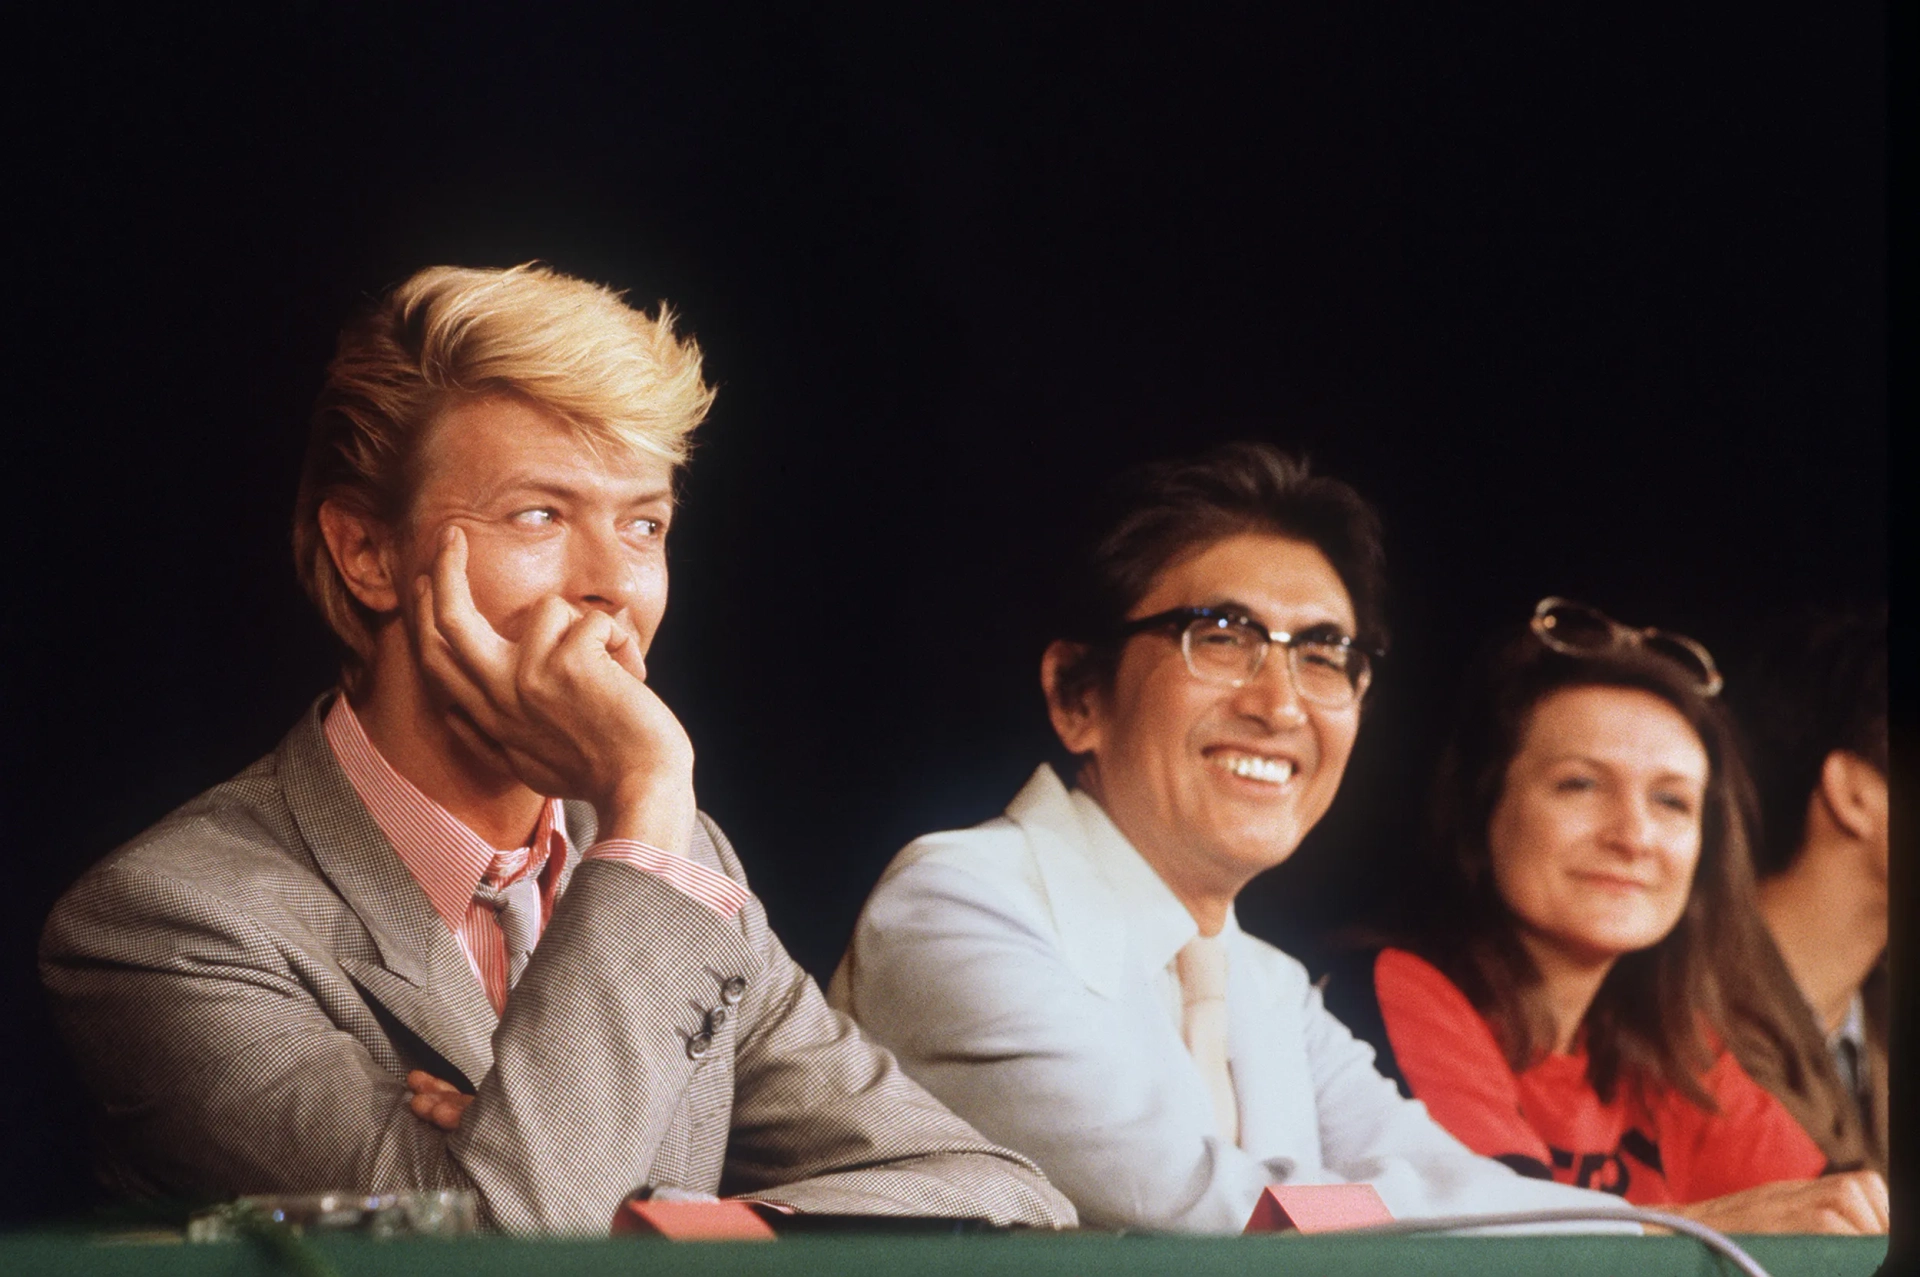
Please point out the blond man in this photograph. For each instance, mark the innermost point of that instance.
(465, 927)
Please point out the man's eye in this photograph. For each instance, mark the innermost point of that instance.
(1574, 784)
(1325, 655)
(648, 527)
(536, 518)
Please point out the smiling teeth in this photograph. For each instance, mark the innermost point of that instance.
(1272, 770)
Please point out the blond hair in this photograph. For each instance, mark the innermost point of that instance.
(450, 335)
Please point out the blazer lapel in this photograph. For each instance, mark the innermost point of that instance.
(1091, 926)
(423, 977)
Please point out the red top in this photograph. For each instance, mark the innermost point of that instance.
(449, 860)
(1548, 1122)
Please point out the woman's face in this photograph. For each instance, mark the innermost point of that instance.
(1597, 831)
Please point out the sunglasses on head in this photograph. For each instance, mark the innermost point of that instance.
(1578, 630)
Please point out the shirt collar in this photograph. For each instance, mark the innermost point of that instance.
(445, 857)
(1854, 1027)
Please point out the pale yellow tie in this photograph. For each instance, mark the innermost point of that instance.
(1202, 964)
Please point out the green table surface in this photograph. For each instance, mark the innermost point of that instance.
(978, 1256)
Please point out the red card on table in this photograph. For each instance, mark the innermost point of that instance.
(1317, 1208)
(691, 1221)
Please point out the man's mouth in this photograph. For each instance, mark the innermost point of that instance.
(1260, 767)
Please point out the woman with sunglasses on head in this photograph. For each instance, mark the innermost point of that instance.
(1561, 1013)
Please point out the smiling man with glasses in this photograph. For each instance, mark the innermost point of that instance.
(1070, 976)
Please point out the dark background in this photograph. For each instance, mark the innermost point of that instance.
(1589, 303)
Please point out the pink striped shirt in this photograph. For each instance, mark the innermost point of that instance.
(449, 860)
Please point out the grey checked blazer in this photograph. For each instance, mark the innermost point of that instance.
(246, 984)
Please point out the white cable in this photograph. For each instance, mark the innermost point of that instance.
(1712, 1238)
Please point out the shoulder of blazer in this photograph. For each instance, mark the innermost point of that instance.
(1031, 863)
(238, 842)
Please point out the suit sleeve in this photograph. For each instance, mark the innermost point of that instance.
(220, 1071)
(825, 1121)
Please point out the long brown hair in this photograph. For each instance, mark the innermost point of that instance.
(1650, 1023)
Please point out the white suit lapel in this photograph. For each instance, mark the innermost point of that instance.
(1118, 922)
(1091, 920)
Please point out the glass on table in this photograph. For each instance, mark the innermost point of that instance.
(424, 1213)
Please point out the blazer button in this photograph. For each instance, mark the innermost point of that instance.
(699, 1045)
(733, 989)
(717, 1019)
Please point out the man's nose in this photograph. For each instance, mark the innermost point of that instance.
(600, 572)
(1270, 695)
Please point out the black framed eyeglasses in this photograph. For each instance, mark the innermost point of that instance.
(1578, 630)
(1226, 649)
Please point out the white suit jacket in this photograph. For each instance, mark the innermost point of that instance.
(1021, 971)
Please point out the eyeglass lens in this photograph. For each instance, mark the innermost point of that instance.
(1579, 627)
(1678, 652)
(1228, 653)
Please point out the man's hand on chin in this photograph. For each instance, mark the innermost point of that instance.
(566, 706)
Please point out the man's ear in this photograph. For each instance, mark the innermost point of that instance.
(1076, 719)
(363, 553)
(1855, 794)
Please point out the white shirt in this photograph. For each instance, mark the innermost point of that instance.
(1022, 972)
(1848, 1046)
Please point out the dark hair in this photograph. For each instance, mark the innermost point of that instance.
(1648, 1023)
(1819, 685)
(1152, 515)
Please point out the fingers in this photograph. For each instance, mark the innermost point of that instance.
(1841, 1204)
(552, 617)
(459, 650)
(624, 648)
(435, 1101)
(442, 1111)
(1844, 1204)
(594, 648)
(1835, 1221)
(1849, 1204)
(421, 1080)
(1862, 1200)
(461, 647)
(586, 641)
(562, 705)
(1878, 1199)
(449, 615)
(443, 668)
